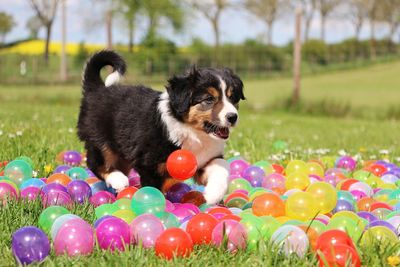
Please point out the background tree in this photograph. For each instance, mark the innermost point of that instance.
(46, 11)
(212, 10)
(308, 8)
(326, 7)
(391, 15)
(266, 11)
(6, 25)
(357, 12)
(374, 13)
(33, 25)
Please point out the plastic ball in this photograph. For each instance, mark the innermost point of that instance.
(77, 173)
(177, 191)
(200, 228)
(58, 178)
(239, 184)
(30, 244)
(62, 169)
(113, 233)
(315, 169)
(173, 242)
(379, 235)
(291, 239)
(274, 180)
(333, 237)
(148, 200)
(54, 187)
(347, 225)
(127, 192)
(194, 197)
(363, 187)
(145, 229)
(60, 221)
(79, 191)
(32, 182)
(339, 255)
(126, 215)
(233, 231)
(7, 191)
(238, 166)
(30, 193)
(168, 219)
(346, 162)
(268, 204)
(105, 209)
(57, 198)
(181, 164)
(49, 215)
(254, 175)
(18, 171)
(74, 238)
(254, 230)
(297, 180)
(72, 158)
(101, 197)
(325, 196)
(296, 166)
(301, 206)
(342, 205)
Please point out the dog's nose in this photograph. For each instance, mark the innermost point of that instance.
(232, 118)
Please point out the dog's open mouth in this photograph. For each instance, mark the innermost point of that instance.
(219, 131)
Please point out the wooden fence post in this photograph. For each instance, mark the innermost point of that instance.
(297, 59)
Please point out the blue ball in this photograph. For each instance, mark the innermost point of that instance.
(32, 182)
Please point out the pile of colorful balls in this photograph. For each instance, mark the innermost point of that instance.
(330, 206)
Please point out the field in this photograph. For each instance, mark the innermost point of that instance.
(39, 122)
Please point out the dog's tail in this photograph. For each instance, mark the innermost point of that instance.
(91, 75)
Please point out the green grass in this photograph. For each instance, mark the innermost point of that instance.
(39, 122)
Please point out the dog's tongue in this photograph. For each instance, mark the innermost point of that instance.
(222, 132)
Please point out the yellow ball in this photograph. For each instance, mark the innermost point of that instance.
(296, 166)
(315, 168)
(379, 235)
(297, 180)
(126, 215)
(301, 206)
(282, 219)
(325, 196)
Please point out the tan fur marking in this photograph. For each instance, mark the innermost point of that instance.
(214, 92)
(113, 162)
(197, 117)
(229, 92)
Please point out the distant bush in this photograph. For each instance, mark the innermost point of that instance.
(81, 55)
(315, 51)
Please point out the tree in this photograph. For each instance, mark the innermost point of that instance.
(326, 7)
(358, 12)
(167, 10)
(374, 13)
(130, 9)
(267, 11)
(6, 25)
(391, 15)
(308, 10)
(46, 11)
(33, 25)
(212, 10)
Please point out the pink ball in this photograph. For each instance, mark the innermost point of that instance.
(57, 198)
(238, 166)
(113, 233)
(102, 197)
(145, 229)
(169, 206)
(234, 232)
(182, 213)
(191, 207)
(274, 180)
(31, 192)
(74, 238)
(7, 191)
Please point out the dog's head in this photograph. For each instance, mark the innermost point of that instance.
(207, 99)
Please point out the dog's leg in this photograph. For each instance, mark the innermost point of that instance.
(117, 180)
(215, 175)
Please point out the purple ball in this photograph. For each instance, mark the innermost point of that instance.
(238, 166)
(382, 223)
(343, 205)
(254, 175)
(72, 158)
(62, 169)
(30, 244)
(57, 198)
(182, 213)
(113, 233)
(31, 193)
(331, 179)
(169, 206)
(101, 197)
(99, 220)
(79, 190)
(53, 187)
(346, 162)
(90, 173)
(177, 191)
(367, 215)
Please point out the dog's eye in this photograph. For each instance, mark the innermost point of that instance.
(208, 100)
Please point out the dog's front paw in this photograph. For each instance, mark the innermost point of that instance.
(214, 195)
(216, 174)
(117, 180)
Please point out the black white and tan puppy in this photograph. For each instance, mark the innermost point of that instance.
(126, 127)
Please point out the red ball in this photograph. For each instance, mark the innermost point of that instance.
(200, 228)
(339, 255)
(181, 164)
(127, 192)
(173, 242)
(332, 238)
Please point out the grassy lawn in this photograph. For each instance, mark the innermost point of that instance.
(39, 122)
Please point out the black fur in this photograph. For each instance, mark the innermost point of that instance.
(126, 118)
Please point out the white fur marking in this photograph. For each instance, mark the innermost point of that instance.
(216, 173)
(113, 78)
(227, 106)
(117, 180)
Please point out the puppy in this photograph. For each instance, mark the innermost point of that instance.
(126, 127)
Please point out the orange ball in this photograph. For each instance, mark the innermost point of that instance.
(174, 242)
(59, 178)
(92, 180)
(219, 210)
(268, 204)
(231, 217)
(311, 234)
(200, 228)
(127, 192)
(181, 164)
(236, 194)
(364, 204)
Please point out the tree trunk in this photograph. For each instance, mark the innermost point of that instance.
(358, 31)
(372, 41)
(297, 60)
(323, 21)
(47, 44)
(63, 61)
(269, 33)
(109, 29)
(131, 29)
(307, 28)
(216, 33)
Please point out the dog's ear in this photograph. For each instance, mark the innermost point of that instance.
(180, 90)
(236, 83)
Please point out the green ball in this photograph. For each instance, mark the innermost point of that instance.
(49, 215)
(279, 145)
(26, 159)
(254, 228)
(168, 219)
(239, 183)
(318, 226)
(362, 175)
(233, 158)
(347, 225)
(346, 195)
(270, 226)
(77, 173)
(105, 209)
(263, 164)
(18, 171)
(379, 235)
(148, 200)
(236, 202)
(293, 222)
(395, 195)
(204, 207)
(247, 206)
(123, 203)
